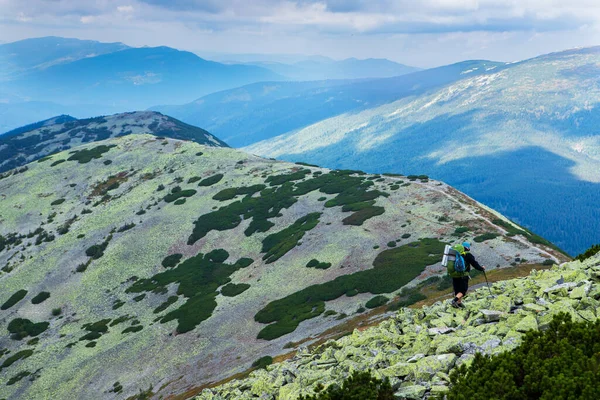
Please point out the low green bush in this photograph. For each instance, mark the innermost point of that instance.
(233, 289)
(172, 260)
(314, 263)
(40, 297)
(132, 329)
(377, 301)
(57, 202)
(263, 362)
(18, 377)
(485, 236)
(211, 180)
(278, 244)
(558, 363)
(166, 304)
(20, 328)
(14, 299)
(20, 355)
(56, 312)
(359, 386)
(362, 215)
(175, 195)
(96, 251)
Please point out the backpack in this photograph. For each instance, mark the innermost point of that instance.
(454, 261)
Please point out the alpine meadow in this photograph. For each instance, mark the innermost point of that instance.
(299, 200)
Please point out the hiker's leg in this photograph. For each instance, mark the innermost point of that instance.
(463, 286)
(458, 289)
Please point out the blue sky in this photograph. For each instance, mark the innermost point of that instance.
(423, 33)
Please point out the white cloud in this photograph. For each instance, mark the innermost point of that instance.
(125, 9)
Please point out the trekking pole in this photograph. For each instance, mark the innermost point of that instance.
(486, 281)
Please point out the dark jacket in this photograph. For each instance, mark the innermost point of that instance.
(471, 262)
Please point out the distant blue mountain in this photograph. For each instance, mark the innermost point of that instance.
(40, 53)
(133, 78)
(351, 68)
(260, 111)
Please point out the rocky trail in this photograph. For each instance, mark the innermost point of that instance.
(417, 348)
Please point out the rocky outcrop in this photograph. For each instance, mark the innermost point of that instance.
(417, 348)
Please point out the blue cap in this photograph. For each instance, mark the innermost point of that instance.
(466, 245)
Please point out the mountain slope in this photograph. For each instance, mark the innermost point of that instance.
(123, 244)
(417, 348)
(246, 115)
(523, 139)
(134, 78)
(33, 142)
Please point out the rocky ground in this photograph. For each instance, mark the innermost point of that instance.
(417, 348)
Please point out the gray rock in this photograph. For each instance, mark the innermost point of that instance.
(415, 392)
(491, 315)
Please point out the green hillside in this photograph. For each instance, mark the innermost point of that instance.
(145, 263)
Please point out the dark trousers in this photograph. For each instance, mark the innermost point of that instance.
(460, 285)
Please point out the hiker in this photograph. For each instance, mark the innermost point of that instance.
(460, 280)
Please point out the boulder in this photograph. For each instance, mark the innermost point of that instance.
(491, 315)
(415, 392)
(528, 323)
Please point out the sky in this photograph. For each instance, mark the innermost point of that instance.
(422, 33)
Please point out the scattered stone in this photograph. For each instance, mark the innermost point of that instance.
(411, 392)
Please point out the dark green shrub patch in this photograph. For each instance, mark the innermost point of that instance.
(485, 236)
(391, 243)
(139, 297)
(166, 304)
(126, 227)
(172, 260)
(179, 202)
(199, 278)
(21, 355)
(40, 297)
(349, 190)
(57, 162)
(132, 329)
(41, 160)
(364, 214)
(263, 362)
(558, 363)
(194, 179)
(57, 202)
(96, 251)
(230, 193)
(56, 312)
(360, 385)
(87, 155)
(377, 301)
(314, 263)
(14, 299)
(406, 236)
(510, 229)
(91, 344)
(174, 195)
(592, 251)
(460, 230)
(86, 211)
(274, 180)
(20, 328)
(233, 289)
(95, 329)
(18, 377)
(107, 162)
(211, 180)
(393, 269)
(120, 320)
(278, 244)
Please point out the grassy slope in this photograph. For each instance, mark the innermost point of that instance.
(226, 342)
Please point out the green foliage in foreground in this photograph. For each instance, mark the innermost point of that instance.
(14, 299)
(592, 251)
(199, 278)
(172, 260)
(561, 363)
(278, 244)
(263, 362)
(86, 155)
(393, 269)
(359, 386)
(20, 328)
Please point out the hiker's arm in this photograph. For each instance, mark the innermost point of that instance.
(470, 258)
